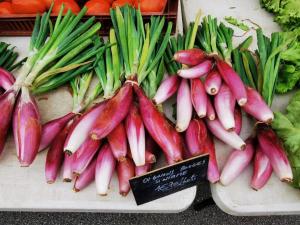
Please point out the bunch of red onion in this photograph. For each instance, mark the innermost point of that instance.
(209, 90)
(117, 134)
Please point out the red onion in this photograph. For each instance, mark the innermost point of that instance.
(105, 167)
(51, 129)
(234, 82)
(230, 138)
(236, 163)
(159, 128)
(141, 170)
(6, 79)
(117, 140)
(80, 129)
(197, 71)
(272, 147)
(136, 135)
(116, 109)
(195, 137)
(211, 115)
(213, 82)
(213, 174)
(7, 101)
(199, 97)
(167, 88)
(86, 178)
(184, 106)
(26, 128)
(262, 170)
(257, 107)
(55, 156)
(84, 155)
(238, 120)
(191, 57)
(125, 171)
(224, 105)
(67, 168)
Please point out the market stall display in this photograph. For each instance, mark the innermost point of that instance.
(225, 88)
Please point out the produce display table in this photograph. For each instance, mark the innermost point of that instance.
(238, 198)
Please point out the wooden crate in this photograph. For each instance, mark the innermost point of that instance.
(22, 24)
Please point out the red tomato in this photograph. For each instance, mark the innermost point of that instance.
(96, 7)
(28, 7)
(121, 3)
(68, 4)
(5, 8)
(152, 5)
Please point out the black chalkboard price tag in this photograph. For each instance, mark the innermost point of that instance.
(170, 179)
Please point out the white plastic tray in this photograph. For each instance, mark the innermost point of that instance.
(238, 198)
(25, 189)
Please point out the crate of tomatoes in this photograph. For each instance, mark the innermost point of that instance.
(17, 16)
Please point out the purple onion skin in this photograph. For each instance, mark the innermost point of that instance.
(141, 170)
(197, 71)
(26, 128)
(86, 178)
(79, 131)
(262, 170)
(257, 107)
(213, 82)
(184, 106)
(211, 114)
(6, 79)
(55, 156)
(105, 167)
(167, 88)
(224, 103)
(238, 119)
(115, 111)
(136, 135)
(125, 171)
(230, 138)
(7, 102)
(213, 174)
(233, 80)
(272, 147)
(67, 168)
(195, 137)
(117, 140)
(84, 155)
(199, 97)
(162, 132)
(191, 57)
(52, 128)
(236, 163)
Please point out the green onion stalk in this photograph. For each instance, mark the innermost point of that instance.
(142, 46)
(260, 69)
(8, 57)
(56, 52)
(215, 38)
(86, 90)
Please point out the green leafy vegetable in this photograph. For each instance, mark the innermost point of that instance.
(287, 127)
(233, 21)
(287, 12)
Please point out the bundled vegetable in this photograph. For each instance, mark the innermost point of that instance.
(70, 46)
